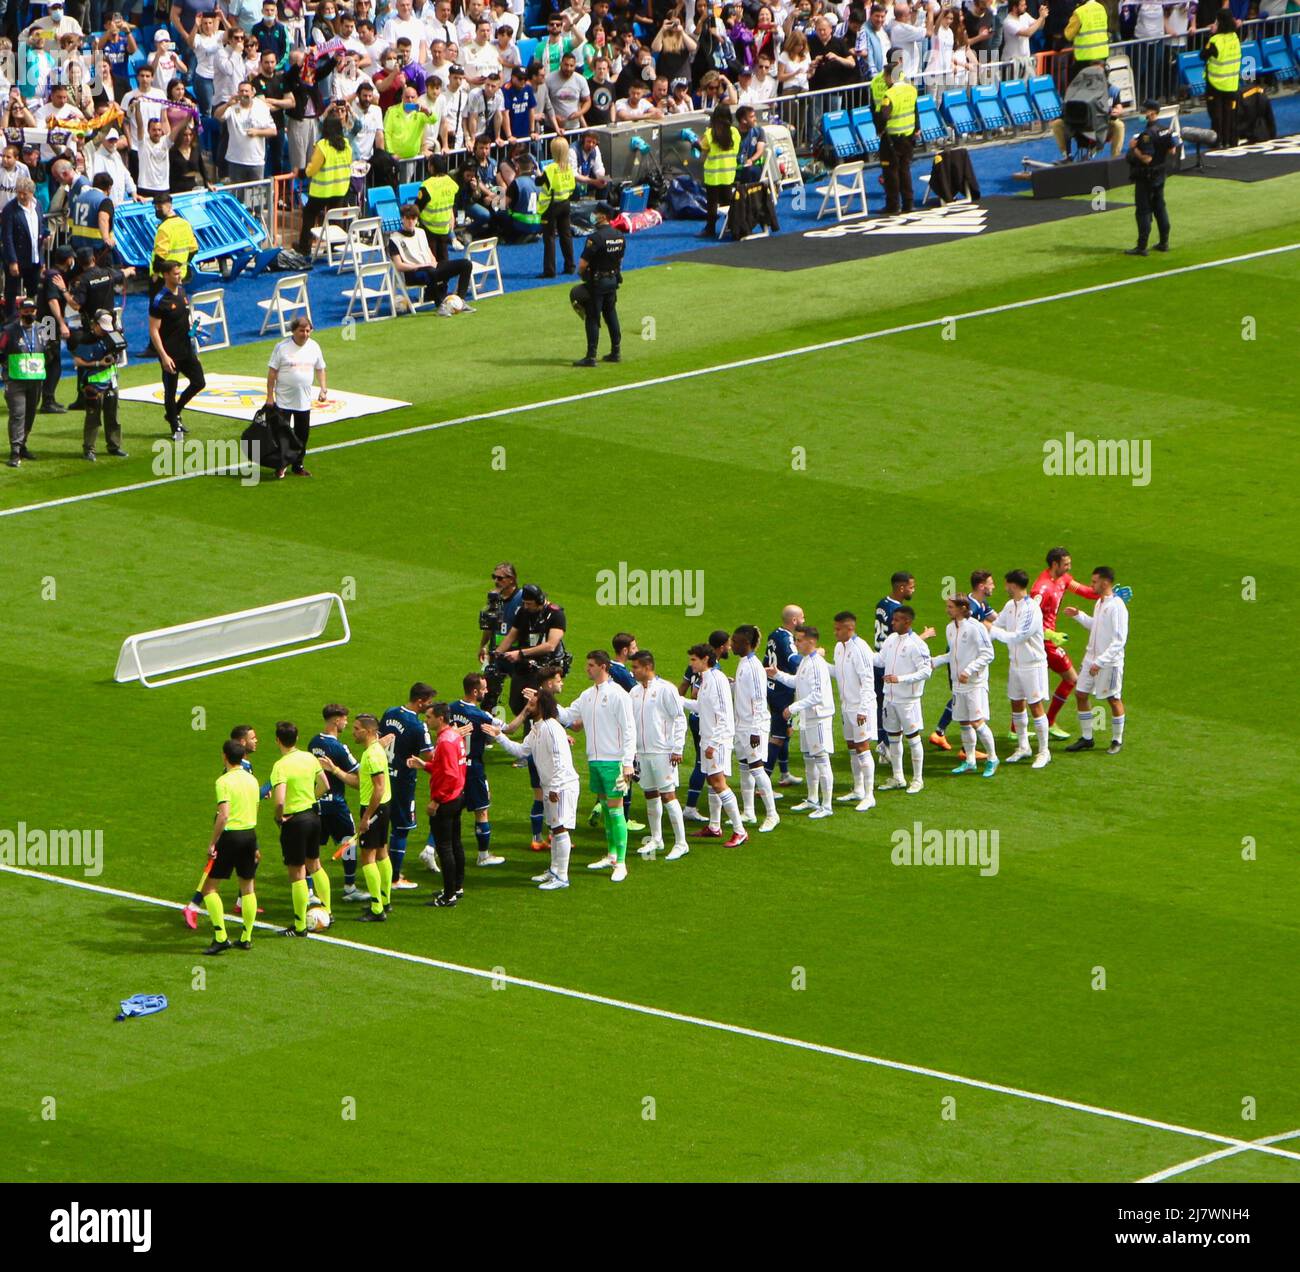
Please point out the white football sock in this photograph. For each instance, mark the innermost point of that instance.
(1085, 725)
(812, 777)
(676, 821)
(763, 780)
(968, 743)
(1040, 728)
(866, 774)
(1117, 727)
(560, 854)
(715, 810)
(985, 735)
(827, 779)
(732, 809)
(1020, 722)
(896, 757)
(655, 818)
(918, 757)
(747, 789)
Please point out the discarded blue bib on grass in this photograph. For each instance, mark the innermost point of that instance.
(142, 1005)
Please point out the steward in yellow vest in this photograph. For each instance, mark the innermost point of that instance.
(558, 182)
(436, 203)
(173, 241)
(1222, 54)
(896, 115)
(329, 178)
(720, 147)
(1089, 28)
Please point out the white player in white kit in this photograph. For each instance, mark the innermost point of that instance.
(970, 653)
(548, 745)
(905, 660)
(753, 725)
(660, 739)
(1102, 673)
(717, 717)
(854, 671)
(1020, 628)
(814, 704)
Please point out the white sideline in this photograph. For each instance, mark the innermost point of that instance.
(1182, 1167)
(660, 1013)
(758, 360)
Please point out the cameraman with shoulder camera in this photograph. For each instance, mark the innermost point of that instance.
(535, 637)
(495, 622)
(96, 357)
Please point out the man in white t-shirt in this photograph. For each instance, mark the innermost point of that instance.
(153, 159)
(637, 105)
(405, 23)
(248, 125)
(141, 105)
(295, 362)
(107, 157)
(58, 110)
(1017, 29)
(486, 112)
(480, 57)
(368, 121)
(907, 32)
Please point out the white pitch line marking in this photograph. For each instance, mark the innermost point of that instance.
(758, 360)
(741, 1031)
(1219, 1155)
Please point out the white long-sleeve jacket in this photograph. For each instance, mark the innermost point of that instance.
(605, 713)
(1107, 632)
(660, 718)
(970, 652)
(713, 707)
(752, 715)
(854, 671)
(1020, 628)
(551, 750)
(906, 656)
(813, 695)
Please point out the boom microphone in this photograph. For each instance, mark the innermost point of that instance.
(1200, 136)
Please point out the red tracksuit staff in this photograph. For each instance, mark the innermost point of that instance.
(446, 769)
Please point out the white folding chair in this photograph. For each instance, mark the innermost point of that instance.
(846, 185)
(484, 266)
(372, 286)
(412, 297)
(288, 298)
(330, 238)
(365, 243)
(782, 167)
(209, 310)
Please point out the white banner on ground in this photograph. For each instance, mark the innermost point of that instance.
(240, 397)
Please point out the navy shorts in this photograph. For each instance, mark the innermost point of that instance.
(477, 795)
(402, 807)
(336, 822)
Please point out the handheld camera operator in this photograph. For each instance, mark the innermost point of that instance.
(535, 637)
(495, 622)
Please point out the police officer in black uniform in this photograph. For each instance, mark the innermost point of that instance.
(1148, 153)
(601, 267)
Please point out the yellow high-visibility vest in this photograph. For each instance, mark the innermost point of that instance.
(175, 241)
(720, 161)
(1223, 66)
(334, 176)
(435, 216)
(902, 109)
(1092, 43)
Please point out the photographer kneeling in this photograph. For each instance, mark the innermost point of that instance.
(536, 636)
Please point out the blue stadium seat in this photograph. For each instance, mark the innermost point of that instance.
(956, 105)
(527, 47)
(1277, 60)
(927, 119)
(837, 135)
(1191, 73)
(1015, 101)
(865, 128)
(1252, 61)
(222, 225)
(1046, 100)
(988, 106)
(1295, 47)
(407, 191)
(384, 205)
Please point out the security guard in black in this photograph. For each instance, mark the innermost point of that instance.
(601, 267)
(1148, 154)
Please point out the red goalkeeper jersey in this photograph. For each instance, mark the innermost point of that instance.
(1051, 590)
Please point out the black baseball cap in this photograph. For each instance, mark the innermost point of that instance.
(1150, 104)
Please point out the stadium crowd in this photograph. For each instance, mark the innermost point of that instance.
(634, 720)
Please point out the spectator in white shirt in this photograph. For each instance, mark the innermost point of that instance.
(405, 23)
(793, 64)
(907, 34)
(479, 56)
(438, 24)
(58, 110)
(165, 61)
(637, 105)
(141, 105)
(1017, 28)
(248, 125)
(106, 157)
(486, 114)
(154, 158)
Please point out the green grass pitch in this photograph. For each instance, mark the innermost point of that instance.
(808, 479)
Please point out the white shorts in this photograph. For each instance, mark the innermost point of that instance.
(903, 716)
(658, 773)
(970, 704)
(1028, 684)
(721, 761)
(564, 811)
(1107, 683)
(855, 732)
(816, 737)
(747, 754)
